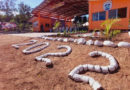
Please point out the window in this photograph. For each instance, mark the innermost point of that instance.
(95, 17)
(47, 25)
(99, 16)
(122, 12)
(102, 15)
(117, 13)
(112, 14)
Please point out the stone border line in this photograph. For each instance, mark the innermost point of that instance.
(17, 46)
(82, 41)
(59, 54)
(29, 51)
(74, 74)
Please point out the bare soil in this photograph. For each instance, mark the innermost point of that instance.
(21, 72)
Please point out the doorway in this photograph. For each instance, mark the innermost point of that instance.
(42, 28)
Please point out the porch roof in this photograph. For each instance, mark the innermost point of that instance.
(61, 8)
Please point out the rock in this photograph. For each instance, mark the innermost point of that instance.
(54, 39)
(89, 42)
(129, 33)
(123, 44)
(81, 41)
(109, 44)
(17, 46)
(65, 40)
(30, 51)
(98, 43)
(75, 40)
(105, 69)
(60, 39)
(58, 54)
(50, 38)
(71, 40)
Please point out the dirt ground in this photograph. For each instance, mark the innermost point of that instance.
(22, 72)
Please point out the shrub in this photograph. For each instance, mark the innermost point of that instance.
(115, 32)
(107, 27)
(65, 34)
(58, 34)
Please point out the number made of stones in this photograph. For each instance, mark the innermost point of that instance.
(75, 73)
(17, 46)
(58, 54)
(29, 51)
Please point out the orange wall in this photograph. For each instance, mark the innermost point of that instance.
(43, 21)
(97, 6)
(68, 23)
(34, 20)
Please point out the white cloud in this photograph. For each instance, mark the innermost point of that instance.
(14, 13)
(2, 13)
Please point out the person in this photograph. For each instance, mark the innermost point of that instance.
(67, 28)
(71, 29)
(0, 25)
(51, 30)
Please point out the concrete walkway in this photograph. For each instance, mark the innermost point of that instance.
(32, 34)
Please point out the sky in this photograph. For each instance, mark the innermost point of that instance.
(31, 3)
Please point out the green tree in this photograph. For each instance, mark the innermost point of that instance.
(23, 17)
(8, 6)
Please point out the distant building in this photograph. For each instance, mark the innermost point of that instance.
(7, 25)
(98, 11)
(101, 10)
(46, 24)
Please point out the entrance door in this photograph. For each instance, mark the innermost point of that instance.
(42, 28)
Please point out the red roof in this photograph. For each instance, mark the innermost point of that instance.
(62, 8)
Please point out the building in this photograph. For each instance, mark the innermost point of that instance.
(98, 11)
(45, 24)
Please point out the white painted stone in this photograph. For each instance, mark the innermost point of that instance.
(98, 43)
(61, 54)
(71, 40)
(94, 53)
(29, 51)
(124, 44)
(104, 69)
(77, 77)
(17, 46)
(75, 40)
(109, 44)
(60, 39)
(129, 33)
(96, 86)
(90, 67)
(74, 74)
(97, 68)
(84, 79)
(89, 42)
(111, 68)
(65, 40)
(85, 67)
(91, 81)
(81, 41)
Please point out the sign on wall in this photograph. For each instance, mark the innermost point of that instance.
(107, 5)
(35, 24)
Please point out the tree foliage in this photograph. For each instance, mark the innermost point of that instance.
(24, 15)
(8, 6)
(21, 19)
